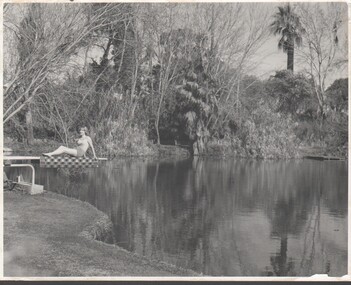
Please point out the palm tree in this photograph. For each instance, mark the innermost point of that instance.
(287, 24)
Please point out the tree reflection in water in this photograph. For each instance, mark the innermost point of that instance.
(227, 217)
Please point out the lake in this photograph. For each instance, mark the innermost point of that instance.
(221, 217)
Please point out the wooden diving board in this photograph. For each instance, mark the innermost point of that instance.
(8, 157)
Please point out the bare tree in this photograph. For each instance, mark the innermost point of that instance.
(46, 38)
(322, 23)
(236, 32)
(164, 45)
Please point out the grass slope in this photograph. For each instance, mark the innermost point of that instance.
(43, 237)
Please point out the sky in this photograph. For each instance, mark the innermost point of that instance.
(269, 58)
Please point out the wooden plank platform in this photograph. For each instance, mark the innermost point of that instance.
(318, 157)
(8, 157)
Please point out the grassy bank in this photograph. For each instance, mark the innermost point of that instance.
(52, 235)
(220, 148)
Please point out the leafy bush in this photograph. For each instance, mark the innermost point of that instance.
(337, 95)
(228, 146)
(336, 122)
(292, 95)
(124, 140)
(269, 134)
(272, 141)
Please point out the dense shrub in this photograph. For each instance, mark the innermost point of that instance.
(228, 146)
(292, 94)
(269, 134)
(126, 140)
(273, 141)
(337, 95)
(266, 134)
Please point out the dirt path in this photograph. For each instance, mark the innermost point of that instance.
(42, 237)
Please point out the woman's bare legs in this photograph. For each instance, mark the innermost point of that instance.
(62, 150)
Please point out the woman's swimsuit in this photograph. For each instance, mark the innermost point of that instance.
(80, 151)
(81, 147)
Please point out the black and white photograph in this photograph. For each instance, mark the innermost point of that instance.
(175, 140)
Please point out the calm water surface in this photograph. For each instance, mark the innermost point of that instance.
(226, 217)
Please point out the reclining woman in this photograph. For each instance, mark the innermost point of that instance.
(84, 142)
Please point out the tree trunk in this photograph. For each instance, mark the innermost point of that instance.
(158, 114)
(195, 148)
(199, 146)
(212, 27)
(29, 124)
(157, 130)
(291, 56)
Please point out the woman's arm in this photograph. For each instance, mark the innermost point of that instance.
(90, 142)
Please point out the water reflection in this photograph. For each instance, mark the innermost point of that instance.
(223, 217)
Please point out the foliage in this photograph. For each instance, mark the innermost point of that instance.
(227, 146)
(125, 141)
(337, 95)
(265, 134)
(269, 134)
(292, 95)
(336, 125)
(200, 105)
